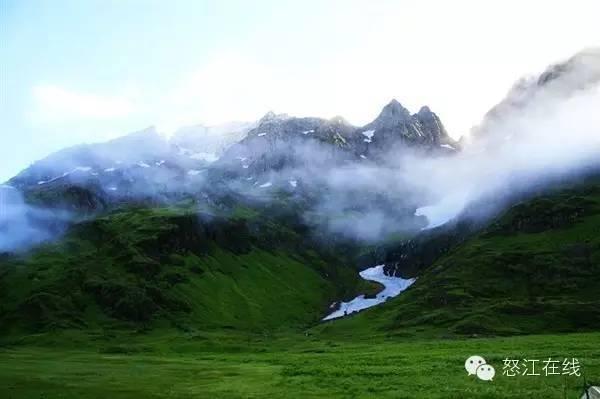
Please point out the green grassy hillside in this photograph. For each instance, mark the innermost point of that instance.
(168, 267)
(536, 269)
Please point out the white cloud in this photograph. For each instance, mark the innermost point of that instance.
(57, 104)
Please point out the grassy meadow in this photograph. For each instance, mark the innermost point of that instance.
(218, 365)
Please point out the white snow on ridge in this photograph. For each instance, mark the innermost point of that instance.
(294, 183)
(143, 164)
(109, 169)
(268, 184)
(77, 169)
(393, 287)
(447, 146)
(204, 156)
(363, 157)
(369, 135)
(194, 172)
(261, 134)
(308, 131)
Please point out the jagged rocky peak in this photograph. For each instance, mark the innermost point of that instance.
(272, 117)
(583, 66)
(339, 120)
(393, 112)
(425, 111)
(432, 123)
(395, 124)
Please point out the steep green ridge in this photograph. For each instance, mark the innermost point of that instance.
(536, 269)
(171, 267)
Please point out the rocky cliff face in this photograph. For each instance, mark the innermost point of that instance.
(282, 142)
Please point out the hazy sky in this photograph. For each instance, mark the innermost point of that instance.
(85, 71)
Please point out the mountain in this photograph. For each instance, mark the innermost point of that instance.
(177, 267)
(147, 162)
(278, 154)
(395, 122)
(272, 232)
(532, 269)
(284, 144)
(209, 142)
(142, 166)
(154, 227)
(542, 93)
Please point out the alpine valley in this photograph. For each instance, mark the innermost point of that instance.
(206, 264)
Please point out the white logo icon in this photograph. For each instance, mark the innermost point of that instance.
(476, 365)
(486, 372)
(472, 363)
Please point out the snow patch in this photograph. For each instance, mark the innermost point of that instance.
(447, 146)
(268, 184)
(393, 287)
(77, 169)
(308, 131)
(109, 169)
(363, 157)
(294, 183)
(143, 164)
(194, 172)
(369, 135)
(261, 134)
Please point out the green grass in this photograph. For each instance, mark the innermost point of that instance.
(151, 268)
(284, 366)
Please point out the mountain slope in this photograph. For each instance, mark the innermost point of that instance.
(145, 268)
(535, 269)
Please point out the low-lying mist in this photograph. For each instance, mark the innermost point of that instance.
(23, 225)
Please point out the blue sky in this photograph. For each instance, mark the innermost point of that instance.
(86, 71)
